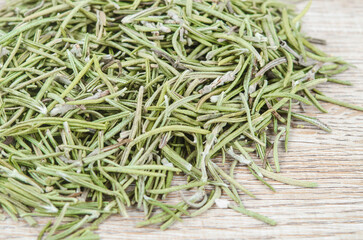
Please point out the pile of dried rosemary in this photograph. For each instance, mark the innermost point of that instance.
(103, 102)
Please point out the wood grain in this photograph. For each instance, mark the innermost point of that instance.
(334, 210)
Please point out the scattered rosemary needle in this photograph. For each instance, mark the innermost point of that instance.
(102, 103)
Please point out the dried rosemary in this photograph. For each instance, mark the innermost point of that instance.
(102, 103)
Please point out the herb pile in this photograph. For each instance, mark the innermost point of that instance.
(103, 102)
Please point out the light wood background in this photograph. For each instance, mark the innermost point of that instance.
(334, 210)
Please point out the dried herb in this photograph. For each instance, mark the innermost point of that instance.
(102, 103)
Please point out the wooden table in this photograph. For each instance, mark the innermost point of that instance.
(334, 210)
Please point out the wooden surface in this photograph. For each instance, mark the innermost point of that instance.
(334, 210)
